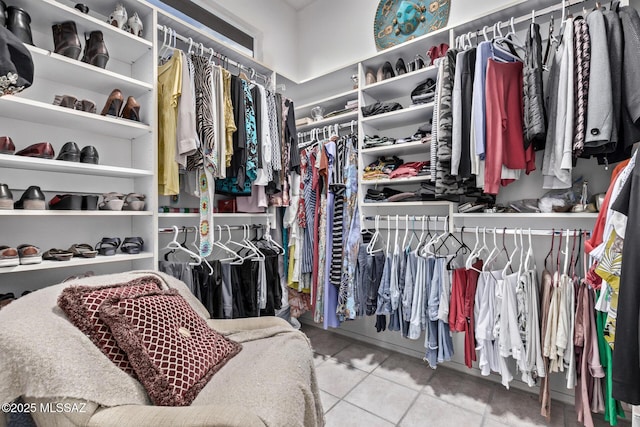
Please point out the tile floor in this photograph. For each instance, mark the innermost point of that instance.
(367, 386)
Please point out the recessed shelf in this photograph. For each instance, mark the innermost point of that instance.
(215, 215)
(121, 45)
(388, 181)
(407, 116)
(18, 108)
(50, 165)
(58, 68)
(415, 147)
(342, 118)
(401, 85)
(75, 262)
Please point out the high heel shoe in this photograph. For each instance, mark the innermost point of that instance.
(113, 104)
(134, 25)
(131, 110)
(66, 101)
(95, 50)
(118, 17)
(66, 40)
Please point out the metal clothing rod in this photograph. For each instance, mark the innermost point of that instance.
(524, 231)
(407, 218)
(210, 50)
(194, 229)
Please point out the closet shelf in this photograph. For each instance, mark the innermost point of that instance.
(333, 102)
(400, 85)
(49, 165)
(387, 181)
(418, 114)
(16, 213)
(415, 147)
(121, 45)
(76, 262)
(32, 111)
(407, 204)
(215, 215)
(528, 216)
(342, 118)
(61, 69)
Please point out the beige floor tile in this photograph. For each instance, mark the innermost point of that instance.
(518, 408)
(361, 356)
(433, 412)
(346, 415)
(338, 379)
(405, 370)
(382, 398)
(319, 358)
(328, 401)
(328, 343)
(462, 390)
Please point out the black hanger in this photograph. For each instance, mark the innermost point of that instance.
(553, 236)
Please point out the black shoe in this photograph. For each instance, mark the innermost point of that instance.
(400, 67)
(95, 51)
(385, 72)
(70, 152)
(6, 198)
(66, 202)
(89, 203)
(89, 154)
(33, 198)
(82, 8)
(19, 23)
(65, 39)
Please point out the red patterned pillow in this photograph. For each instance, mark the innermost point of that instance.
(172, 349)
(81, 304)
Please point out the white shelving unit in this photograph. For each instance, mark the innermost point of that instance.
(127, 148)
(415, 114)
(340, 118)
(396, 181)
(414, 147)
(390, 88)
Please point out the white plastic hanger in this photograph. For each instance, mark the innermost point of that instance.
(376, 235)
(529, 256)
(176, 246)
(511, 257)
(268, 238)
(195, 245)
(218, 243)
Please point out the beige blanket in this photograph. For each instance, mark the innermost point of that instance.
(42, 355)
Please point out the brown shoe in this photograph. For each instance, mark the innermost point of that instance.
(113, 104)
(131, 110)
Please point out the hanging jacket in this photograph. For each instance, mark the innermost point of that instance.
(535, 119)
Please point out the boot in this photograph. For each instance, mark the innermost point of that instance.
(66, 40)
(18, 22)
(3, 14)
(95, 51)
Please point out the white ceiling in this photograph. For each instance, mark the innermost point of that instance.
(299, 4)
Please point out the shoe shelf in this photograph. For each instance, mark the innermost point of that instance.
(16, 213)
(76, 262)
(414, 147)
(529, 216)
(387, 181)
(394, 119)
(49, 165)
(400, 85)
(341, 118)
(215, 215)
(407, 204)
(18, 108)
(61, 69)
(121, 45)
(330, 103)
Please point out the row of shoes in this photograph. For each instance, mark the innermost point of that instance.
(120, 18)
(70, 151)
(27, 254)
(34, 199)
(16, 20)
(130, 110)
(386, 70)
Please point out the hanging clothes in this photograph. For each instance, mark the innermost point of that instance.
(169, 91)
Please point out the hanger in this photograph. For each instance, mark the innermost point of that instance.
(484, 33)
(511, 257)
(218, 243)
(267, 236)
(553, 236)
(176, 246)
(493, 255)
(195, 245)
(406, 232)
(565, 269)
(483, 248)
(376, 235)
(529, 253)
(247, 240)
(472, 255)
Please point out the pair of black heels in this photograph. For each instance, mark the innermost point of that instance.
(67, 43)
(109, 245)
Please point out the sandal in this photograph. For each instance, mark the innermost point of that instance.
(111, 202)
(57, 255)
(29, 254)
(134, 202)
(132, 245)
(108, 246)
(8, 257)
(83, 250)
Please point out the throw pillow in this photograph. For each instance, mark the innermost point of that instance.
(172, 349)
(81, 304)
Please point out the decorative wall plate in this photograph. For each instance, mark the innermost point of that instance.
(398, 21)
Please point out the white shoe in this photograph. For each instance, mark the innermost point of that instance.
(118, 17)
(134, 25)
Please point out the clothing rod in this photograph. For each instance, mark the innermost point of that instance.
(218, 55)
(525, 231)
(224, 227)
(353, 123)
(407, 218)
